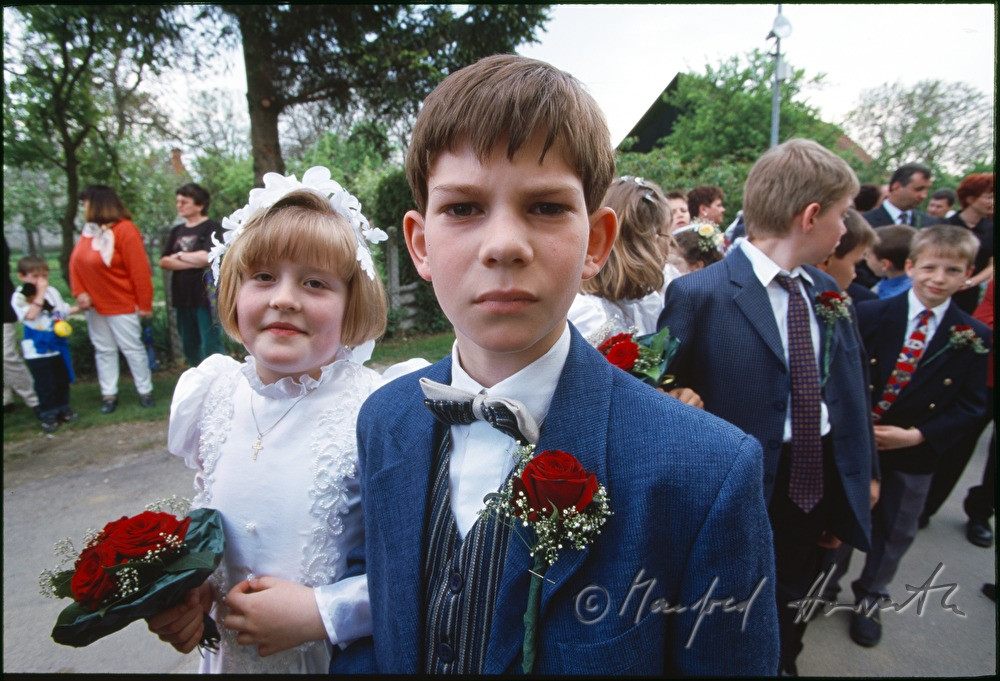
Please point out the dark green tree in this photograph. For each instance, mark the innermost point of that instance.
(378, 60)
(72, 79)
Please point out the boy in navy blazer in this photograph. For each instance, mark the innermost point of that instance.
(509, 163)
(920, 415)
(761, 357)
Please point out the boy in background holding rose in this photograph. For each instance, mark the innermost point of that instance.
(508, 164)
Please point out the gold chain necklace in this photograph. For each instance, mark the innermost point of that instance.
(257, 446)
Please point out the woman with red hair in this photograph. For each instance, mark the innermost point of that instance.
(975, 196)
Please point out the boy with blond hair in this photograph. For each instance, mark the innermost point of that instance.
(757, 315)
(928, 363)
(509, 162)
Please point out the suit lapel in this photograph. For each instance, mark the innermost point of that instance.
(584, 389)
(938, 342)
(812, 292)
(395, 492)
(890, 341)
(752, 300)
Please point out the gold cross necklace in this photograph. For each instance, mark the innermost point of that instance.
(257, 446)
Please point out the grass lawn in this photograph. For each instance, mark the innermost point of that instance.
(85, 394)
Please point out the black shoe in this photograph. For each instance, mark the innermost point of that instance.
(922, 522)
(108, 406)
(147, 401)
(979, 533)
(68, 417)
(50, 426)
(788, 669)
(991, 591)
(866, 630)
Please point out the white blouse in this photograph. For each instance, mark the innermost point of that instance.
(592, 314)
(293, 513)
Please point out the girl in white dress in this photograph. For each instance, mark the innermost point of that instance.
(272, 440)
(628, 291)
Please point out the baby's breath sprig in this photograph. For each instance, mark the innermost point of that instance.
(179, 506)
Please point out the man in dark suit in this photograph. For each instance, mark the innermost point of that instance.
(907, 189)
(756, 352)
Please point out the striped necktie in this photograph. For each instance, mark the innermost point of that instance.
(906, 364)
(904, 217)
(805, 484)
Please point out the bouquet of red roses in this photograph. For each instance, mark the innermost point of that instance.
(645, 357)
(134, 568)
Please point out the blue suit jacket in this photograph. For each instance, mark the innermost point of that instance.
(685, 492)
(946, 398)
(731, 355)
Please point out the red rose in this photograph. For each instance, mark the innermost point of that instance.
(960, 328)
(90, 584)
(830, 298)
(134, 537)
(623, 354)
(555, 479)
(604, 347)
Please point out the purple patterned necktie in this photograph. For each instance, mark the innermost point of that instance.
(805, 485)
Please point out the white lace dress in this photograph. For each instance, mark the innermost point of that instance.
(592, 314)
(295, 512)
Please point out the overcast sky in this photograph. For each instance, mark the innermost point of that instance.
(627, 54)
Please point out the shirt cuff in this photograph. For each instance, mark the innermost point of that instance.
(345, 609)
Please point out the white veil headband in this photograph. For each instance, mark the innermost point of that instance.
(276, 187)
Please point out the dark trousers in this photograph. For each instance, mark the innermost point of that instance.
(798, 558)
(51, 385)
(953, 464)
(980, 502)
(199, 332)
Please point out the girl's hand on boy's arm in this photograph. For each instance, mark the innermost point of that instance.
(273, 614)
(182, 626)
(687, 396)
(894, 437)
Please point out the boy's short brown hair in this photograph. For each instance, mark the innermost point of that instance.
(950, 241)
(30, 263)
(858, 233)
(788, 178)
(507, 99)
(894, 243)
(304, 228)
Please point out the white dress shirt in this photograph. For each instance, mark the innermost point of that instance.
(767, 271)
(893, 212)
(915, 308)
(482, 456)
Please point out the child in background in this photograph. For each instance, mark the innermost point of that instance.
(928, 391)
(40, 307)
(857, 240)
(887, 259)
(298, 289)
(698, 245)
(627, 292)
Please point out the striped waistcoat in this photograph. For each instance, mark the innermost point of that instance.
(461, 580)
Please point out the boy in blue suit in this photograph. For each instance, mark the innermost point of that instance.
(509, 163)
(921, 415)
(760, 356)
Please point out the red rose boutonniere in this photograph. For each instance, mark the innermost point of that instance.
(960, 336)
(553, 495)
(830, 306)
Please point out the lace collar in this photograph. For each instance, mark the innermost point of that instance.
(291, 387)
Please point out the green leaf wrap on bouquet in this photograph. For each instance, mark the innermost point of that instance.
(78, 626)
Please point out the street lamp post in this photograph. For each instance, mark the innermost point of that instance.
(781, 28)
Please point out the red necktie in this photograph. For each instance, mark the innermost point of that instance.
(906, 364)
(805, 484)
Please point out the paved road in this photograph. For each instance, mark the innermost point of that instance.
(38, 512)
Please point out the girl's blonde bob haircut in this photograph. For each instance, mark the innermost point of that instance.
(303, 228)
(635, 267)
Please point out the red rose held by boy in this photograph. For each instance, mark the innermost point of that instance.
(555, 478)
